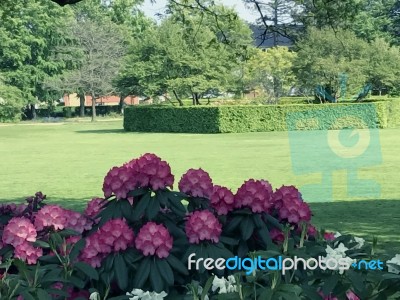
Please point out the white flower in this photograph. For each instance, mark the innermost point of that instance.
(334, 255)
(337, 234)
(359, 241)
(395, 261)
(94, 296)
(224, 285)
(138, 294)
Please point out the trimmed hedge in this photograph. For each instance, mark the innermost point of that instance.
(262, 118)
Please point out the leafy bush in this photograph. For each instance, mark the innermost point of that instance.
(248, 118)
(101, 110)
(140, 238)
(11, 104)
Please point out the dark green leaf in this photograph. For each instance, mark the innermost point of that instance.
(43, 295)
(121, 272)
(177, 265)
(87, 270)
(207, 287)
(142, 273)
(141, 206)
(155, 279)
(166, 272)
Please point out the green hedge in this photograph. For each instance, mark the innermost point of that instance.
(262, 118)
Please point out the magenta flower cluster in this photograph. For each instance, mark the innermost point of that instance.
(115, 235)
(256, 195)
(146, 171)
(58, 218)
(154, 239)
(20, 233)
(203, 226)
(222, 200)
(196, 183)
(290, 206)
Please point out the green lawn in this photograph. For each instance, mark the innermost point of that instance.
(68, 163)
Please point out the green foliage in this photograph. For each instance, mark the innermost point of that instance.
(270, 70)
(324, 54)
(11, 103)
(186, 54)
(29, 32)
(261, 118)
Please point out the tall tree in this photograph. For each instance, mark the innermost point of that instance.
(324, 55)
(30, 31)
(98, 48)
(187, 55)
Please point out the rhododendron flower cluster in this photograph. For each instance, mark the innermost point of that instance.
(20, 232)
(256, 195)
(94, 207)
(196, 183)
(58, 218)
(27, 252)
(290, 205)
(113, 236)
(277, 235)
(203, 226)
(222, 200)
(151, 171)
(147, 171)
(154, 239)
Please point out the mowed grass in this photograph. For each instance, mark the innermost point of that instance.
(69, 161)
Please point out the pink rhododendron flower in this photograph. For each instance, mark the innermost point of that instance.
(222, 200)
(203, 226)
(18, 231)
(113, 236)
(277, 235)
(196, 183)
(154, 239)
(94, 207)
(76, 221)
(73, 295)
(28, 253)
(146, 171)
(116, 234)
(52, 216)
(285, 192)
(290, 206)
(311, 230)
(151, 171)
(256, 195)
(329, 236)
(351, 295)
(330, 297)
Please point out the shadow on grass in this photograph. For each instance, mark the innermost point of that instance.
(366, 219)
(103, 131)
(69, 203)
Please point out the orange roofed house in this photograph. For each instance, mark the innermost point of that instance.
(72, 100)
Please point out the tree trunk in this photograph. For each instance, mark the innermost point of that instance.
(194, 99)
(81, 105)
(177, 98)
(197, 97)
(33, 112)
(121, 103)
(93, 107)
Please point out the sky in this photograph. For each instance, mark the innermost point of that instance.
(152, 10)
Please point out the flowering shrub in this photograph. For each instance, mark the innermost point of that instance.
(135, 243)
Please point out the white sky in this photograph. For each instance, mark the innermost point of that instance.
(159, 7)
